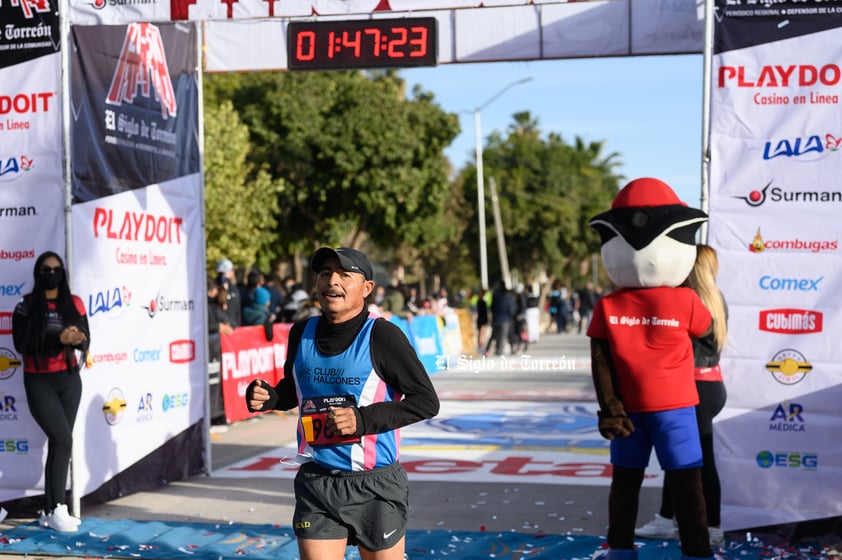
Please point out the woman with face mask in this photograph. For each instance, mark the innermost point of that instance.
(50, 330)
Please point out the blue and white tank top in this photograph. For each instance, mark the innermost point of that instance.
(321, 380)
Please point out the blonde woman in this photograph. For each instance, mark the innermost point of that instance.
(706, 352)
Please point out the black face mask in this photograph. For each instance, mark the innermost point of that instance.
(50, 280)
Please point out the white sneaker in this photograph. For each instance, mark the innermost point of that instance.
(717, 536)
(61, 511)
(60, 520)
(658, 528)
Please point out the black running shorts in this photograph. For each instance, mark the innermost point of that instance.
(368, 508)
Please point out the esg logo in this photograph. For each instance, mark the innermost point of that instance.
(788, 459)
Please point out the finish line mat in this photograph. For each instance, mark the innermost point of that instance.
(170, 540)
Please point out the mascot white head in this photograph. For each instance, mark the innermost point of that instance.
(648, 236)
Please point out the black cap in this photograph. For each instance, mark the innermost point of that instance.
(349, 259)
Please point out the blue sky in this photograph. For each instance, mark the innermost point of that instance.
(647, 109)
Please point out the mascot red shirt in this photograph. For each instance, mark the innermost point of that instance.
(647, 330)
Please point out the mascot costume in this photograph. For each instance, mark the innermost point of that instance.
(642, 359)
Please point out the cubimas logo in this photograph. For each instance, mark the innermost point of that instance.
(182, 351)
(759, 244)
(788, 366)
(5, 322)
(143, 63)
(779, 194)
(791, 321)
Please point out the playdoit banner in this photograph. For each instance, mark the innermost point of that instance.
(775, 198)
(137, 234)
(137, 240)
(31, 214)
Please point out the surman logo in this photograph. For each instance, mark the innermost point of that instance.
(143, 62)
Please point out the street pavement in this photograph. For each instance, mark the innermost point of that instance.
(555, 369)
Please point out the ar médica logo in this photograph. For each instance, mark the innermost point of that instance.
(143, 63)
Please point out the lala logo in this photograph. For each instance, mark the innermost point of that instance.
(13, 167)
(143, 62)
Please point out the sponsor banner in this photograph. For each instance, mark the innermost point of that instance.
(427, 340)
(32, 218)
(136, 254)
(134, 91)
(247, 355)
(489, 441)
(30, 30)
(775, 194)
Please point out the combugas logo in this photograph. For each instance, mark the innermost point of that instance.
(759, 244)
(789, 366)
(778, 194)
(791, 321)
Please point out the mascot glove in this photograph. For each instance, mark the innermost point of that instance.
(615, 426)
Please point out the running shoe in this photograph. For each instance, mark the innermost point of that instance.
(658, 528)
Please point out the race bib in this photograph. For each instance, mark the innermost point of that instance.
(314, 413)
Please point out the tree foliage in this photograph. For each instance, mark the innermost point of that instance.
(547, 191)
(240, 199)
(299, 159)
(361, 160)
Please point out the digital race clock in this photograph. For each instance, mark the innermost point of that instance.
(370, 43)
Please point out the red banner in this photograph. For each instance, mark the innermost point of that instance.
(247, 355)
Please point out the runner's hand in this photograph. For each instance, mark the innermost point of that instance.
(342, 421)
(257, 394)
